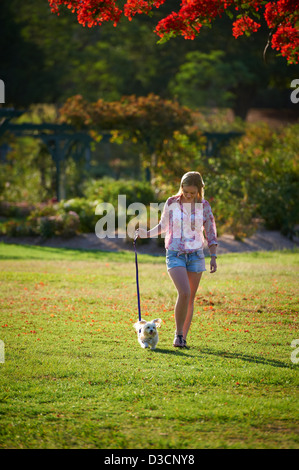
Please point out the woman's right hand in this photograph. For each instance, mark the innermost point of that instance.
(141, 233)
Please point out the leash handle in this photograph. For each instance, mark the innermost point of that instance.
(137, 277)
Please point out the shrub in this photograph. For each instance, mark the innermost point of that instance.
(65, 225)
(256, 177)
(277, 204)
(70, 224)
(84, 209)
(14, 209)
(15, 228)
(108, 190)
(46, 226)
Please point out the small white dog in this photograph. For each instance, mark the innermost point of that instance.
(147, 332)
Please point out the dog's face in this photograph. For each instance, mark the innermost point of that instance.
(148, 329)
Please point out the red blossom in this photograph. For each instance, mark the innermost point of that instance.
(90, 12)
(281, 16)
(280, 11)
(244, 25)
(286, 40)
(132, 7)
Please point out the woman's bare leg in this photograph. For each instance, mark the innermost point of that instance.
(180, 279)
(194, 280)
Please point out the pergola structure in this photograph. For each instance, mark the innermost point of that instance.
(216, 140)
(62, 140)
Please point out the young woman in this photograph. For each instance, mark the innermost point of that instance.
(184, 218)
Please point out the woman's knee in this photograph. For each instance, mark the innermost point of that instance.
(184, 294)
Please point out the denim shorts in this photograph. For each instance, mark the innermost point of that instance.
(193, 262)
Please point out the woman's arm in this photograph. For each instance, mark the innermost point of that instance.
(213, 263)
(161, 227)
(213, 250)
(211, 235)
(153, 232)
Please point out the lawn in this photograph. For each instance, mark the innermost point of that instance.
(74, 375)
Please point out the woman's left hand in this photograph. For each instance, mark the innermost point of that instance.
(213, 265)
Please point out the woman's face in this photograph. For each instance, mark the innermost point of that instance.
(189, 193)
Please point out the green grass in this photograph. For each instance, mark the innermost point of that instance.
(75, 376)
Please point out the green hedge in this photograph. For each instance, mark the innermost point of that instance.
(77, 215)
(255, 178)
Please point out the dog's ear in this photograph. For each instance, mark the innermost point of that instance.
(138, 325)
(158, 322)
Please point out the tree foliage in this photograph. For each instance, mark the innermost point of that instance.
(47, 58)
(281, 17)
(257, 177)
(150, 122)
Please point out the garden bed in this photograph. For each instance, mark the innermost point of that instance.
(262, 240)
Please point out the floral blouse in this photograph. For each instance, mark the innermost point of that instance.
(184, 227)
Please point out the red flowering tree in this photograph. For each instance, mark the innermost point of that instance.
(281, 16)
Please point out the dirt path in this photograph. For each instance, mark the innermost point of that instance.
(262, 240)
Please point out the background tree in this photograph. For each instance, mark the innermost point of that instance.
(149, 122)
(208, 80)
(47, 58)
(16, 52)
(281, 17)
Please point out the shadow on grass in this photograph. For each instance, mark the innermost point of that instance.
(175, 351)
(41, 252)
(10, 251)
(247, 358)
(225, 354)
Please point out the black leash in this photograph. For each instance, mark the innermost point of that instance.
(137, 280)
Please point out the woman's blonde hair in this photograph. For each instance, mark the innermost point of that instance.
(193, 178)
